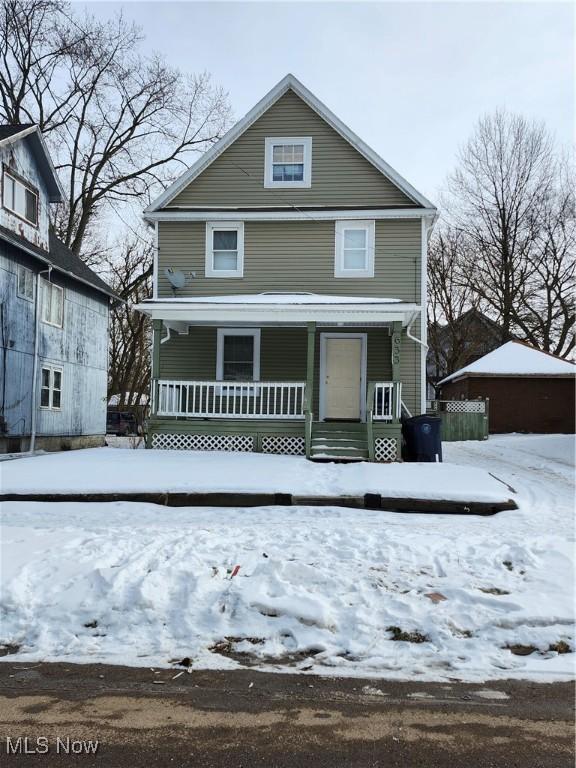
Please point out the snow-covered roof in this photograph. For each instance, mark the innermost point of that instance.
(278, 298)
(277, 308)
(515, 359)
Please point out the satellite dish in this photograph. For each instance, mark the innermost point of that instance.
(176, 278)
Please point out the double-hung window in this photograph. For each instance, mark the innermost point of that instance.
(288, 162)
(52, 303)
(51, 387)
(354, 249)
(19, 198)
(224, 249)
(238, 354)
(25, 283)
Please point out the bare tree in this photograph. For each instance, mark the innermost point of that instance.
(503, 176)
(450, 296)
(516, 218)
(546, 315)
(120, 123)
(129, 271)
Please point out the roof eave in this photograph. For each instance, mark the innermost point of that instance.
(55, 189)
(281, 313)
(477, 375)
(45, 258)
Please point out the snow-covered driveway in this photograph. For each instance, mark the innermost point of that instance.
(325, 590)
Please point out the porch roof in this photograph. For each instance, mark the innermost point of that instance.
(279, 309)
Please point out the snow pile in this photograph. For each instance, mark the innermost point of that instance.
(331, 591)
(516, 359)
(98, 470)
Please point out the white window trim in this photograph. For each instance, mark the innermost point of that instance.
(52, 369)
(222, 332)
(58, 288)
(369, 227)
(19, 293)
(211, 226)
(270, 143)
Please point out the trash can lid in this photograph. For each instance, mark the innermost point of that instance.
(423, 418)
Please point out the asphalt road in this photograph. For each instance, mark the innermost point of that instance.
(241, 719)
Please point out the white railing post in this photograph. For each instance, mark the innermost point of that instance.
(387, 400)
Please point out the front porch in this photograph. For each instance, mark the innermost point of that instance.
(272, 417)
(340, 393)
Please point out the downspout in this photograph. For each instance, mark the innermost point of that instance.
(410, 336)
(32, 445)
(417, 340)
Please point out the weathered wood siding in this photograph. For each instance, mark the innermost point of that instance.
(341, 176)
(294, 256)
(79, 348)
(18, 158)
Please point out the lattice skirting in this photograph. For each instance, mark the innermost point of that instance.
(385, 449)
(465, 406)
(286, 444)
(187, 442)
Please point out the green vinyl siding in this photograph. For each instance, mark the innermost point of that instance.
(341, 176)
(192, 357)
(294, 256)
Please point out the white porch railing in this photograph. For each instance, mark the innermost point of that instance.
(232, 399)
(387, 403)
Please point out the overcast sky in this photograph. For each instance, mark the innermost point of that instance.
(409, 78)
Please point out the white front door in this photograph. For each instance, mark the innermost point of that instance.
(342, 377)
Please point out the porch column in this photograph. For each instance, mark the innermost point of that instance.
(155, 371)
(396, 350)
(310, 385)
(310, 364)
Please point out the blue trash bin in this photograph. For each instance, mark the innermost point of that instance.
(422, 438)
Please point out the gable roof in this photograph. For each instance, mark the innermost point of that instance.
(62, 259)
(466, 319)
(9, 134)
(287, 83)
(515, 358)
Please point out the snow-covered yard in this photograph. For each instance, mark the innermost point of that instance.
(325, 590)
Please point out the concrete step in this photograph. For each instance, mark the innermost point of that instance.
(340, 452)
(339, 426)
(331, 440)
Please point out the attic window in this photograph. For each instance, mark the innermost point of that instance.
(288, 162)
(19, 198)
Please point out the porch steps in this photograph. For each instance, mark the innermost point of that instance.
(339, 441)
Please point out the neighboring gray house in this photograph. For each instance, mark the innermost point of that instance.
(53, 313)
(289, 291)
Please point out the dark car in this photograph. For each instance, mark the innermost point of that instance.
(121, 423)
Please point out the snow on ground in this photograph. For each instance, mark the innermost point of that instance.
(97, 470)
(317, 588)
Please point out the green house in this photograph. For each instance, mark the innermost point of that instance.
(289, 291)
